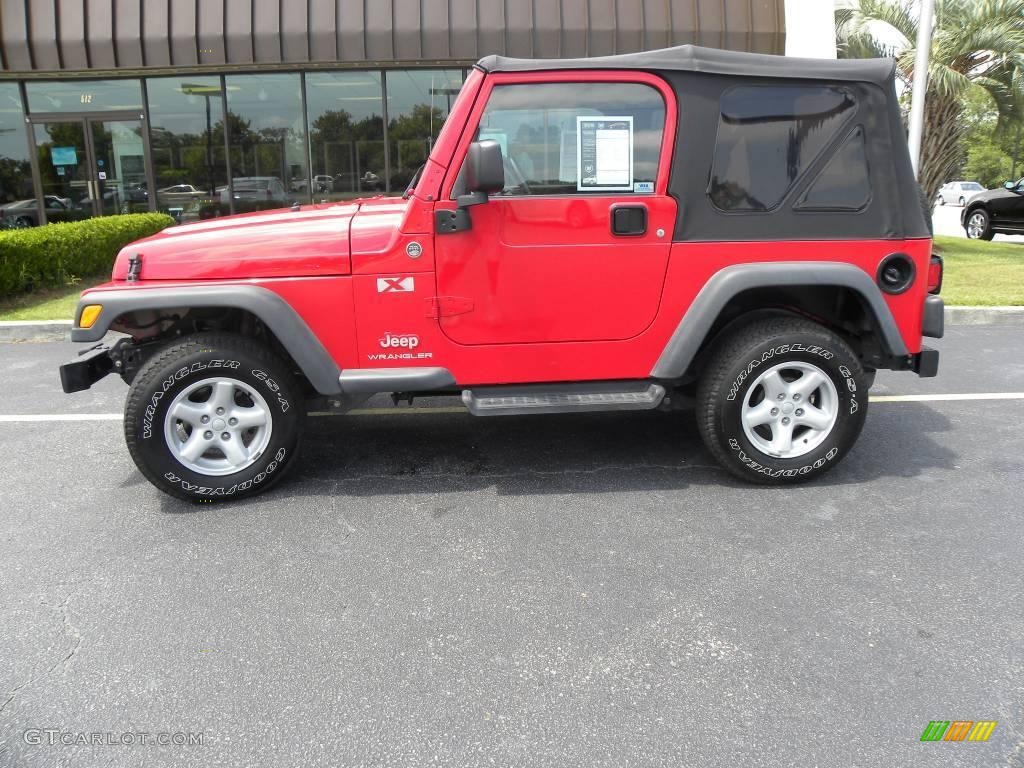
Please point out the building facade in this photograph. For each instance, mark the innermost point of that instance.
(202, 108)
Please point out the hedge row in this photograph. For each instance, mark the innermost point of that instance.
(54, 255)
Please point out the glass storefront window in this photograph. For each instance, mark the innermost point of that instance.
(64, 171)
(186, 116)
(84, 96)
(263, 139)
(419, 101)
(346, 134)
(266, 137)
(15, 168)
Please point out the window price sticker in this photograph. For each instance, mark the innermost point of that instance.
(604, 153)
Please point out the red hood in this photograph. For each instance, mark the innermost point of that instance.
(312, 241)
(376, 229)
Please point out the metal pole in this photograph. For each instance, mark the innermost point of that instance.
(924, 47)
(1016, 154)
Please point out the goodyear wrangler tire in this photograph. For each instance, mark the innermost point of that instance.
(781, 401)
(214, 417)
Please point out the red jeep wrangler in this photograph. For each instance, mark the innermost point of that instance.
(621, 233)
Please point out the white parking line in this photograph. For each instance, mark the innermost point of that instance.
(940, 398)
(58, 417)
(19, 418)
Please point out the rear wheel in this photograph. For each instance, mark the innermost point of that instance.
(961, 202)
(979, 226)
(782, 401)
(214, 417)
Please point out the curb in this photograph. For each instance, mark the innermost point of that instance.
(1011, 316)
(22, 331)
(34, 330)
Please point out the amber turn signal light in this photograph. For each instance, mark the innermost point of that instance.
(89, 315)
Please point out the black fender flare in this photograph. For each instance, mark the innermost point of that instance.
(727, 283)
(284, 322)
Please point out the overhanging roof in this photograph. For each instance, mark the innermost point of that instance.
(103, 36)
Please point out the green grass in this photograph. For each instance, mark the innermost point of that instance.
(48, 304)
(980, 273)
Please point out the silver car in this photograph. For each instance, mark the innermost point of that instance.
(959, 192)
(252, 192)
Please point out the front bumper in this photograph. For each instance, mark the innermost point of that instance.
(91, 366)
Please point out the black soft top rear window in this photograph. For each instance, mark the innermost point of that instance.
(768, 137)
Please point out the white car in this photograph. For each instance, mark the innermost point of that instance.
(959, 192)
(179, 195)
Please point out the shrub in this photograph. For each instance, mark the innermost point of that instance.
(55, 255)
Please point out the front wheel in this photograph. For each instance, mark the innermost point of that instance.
(781, 401)
(214, 417)
(979, 226)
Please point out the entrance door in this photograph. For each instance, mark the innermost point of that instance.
(93, 165)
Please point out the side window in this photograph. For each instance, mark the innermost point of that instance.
(576, 138)
(768, 136)
(843, 183)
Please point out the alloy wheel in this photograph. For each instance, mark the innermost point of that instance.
(976, 225)
(790, 409)
(218, 426)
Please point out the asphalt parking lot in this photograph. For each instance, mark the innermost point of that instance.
(434, 589)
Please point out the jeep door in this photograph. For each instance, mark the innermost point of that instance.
(575, 248)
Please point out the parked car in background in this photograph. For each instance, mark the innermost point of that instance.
(959, 192)
(321, 183)
(25, 213)
(137, 192)
(996, 211)
(252, 193)
(371, 182)
(179, 195)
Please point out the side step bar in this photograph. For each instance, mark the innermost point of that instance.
(563, 398)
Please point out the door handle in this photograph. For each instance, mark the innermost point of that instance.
(629, 220)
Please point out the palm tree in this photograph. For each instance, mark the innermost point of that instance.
(977, 44)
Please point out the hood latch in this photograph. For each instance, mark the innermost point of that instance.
(134, 267)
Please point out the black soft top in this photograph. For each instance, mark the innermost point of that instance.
(692, 58)
(700, 77)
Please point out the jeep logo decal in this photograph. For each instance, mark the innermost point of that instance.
(405, 341)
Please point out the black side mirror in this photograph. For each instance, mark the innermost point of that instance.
(1009, 185)
(485, 168)
(485, 173)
